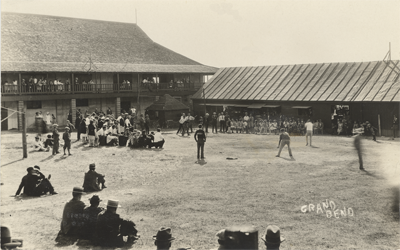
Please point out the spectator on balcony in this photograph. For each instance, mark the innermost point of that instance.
(35, 82)
(45, 86)
(25, 86)
(30, 84)
(49, 85)
(39, 85)
(67, 85)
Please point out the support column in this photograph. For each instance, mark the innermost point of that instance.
(118, 106)
(21, 106)
(73, 110)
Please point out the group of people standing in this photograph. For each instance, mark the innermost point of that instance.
(260, 124)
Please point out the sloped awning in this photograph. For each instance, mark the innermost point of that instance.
(256, 106)
(272, 106)
(239, 105)
(301, 107)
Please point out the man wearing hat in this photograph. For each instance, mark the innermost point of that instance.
(200, 137)
(108, 226)
(28, 183)
(56, 139)
(91, 214)
(73, 217)
(93, 180)
(273, 238)
(67, 140)
(44, 185)
(163, 239)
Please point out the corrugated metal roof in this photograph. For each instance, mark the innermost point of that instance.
(32, 42)
(335, 82)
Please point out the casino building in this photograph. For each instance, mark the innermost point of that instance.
(59, 64)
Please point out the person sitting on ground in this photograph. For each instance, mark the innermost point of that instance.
(48, 143)
(112, 136)
(142, 139)
(158, 139)
(163, 239)
(93, 180)
(273, 238)
(44, 183)
(28, 183)
(150, 140)
(110, 228)
(102, 135)
(39, 145)
(91, 214)
(72, 222)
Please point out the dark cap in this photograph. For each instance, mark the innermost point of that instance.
(92, 166)
(37, 167)
(95, 198)
(164, 234)
(29, 169)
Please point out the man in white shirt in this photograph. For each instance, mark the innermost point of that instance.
(246, 119)
(158, 139)
(182, 124)
(221, 120)
(190, 120)
(309, 129)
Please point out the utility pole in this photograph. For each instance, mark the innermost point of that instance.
(24, 144)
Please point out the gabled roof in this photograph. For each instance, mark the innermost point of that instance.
(167, 102)
(49, 43)
(337, 82)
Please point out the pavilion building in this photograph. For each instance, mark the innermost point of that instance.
(60, 64)
(361, 91)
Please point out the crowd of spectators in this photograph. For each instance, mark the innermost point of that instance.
(265, 123)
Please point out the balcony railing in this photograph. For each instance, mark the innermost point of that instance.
(94, 88)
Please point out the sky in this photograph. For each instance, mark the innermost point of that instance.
(227, 33)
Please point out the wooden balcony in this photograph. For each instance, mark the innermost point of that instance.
(104, 88)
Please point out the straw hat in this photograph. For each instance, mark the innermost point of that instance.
(113, 203)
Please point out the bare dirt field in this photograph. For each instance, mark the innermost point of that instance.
(167, 188)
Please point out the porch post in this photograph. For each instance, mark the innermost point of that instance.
(73, 110)
(117, 106)
(21, 106)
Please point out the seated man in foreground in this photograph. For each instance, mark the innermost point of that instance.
(73, 217)
(35, 184)
(93, 180)
(110, 228)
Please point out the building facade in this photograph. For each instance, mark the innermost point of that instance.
(367, 91)
(59, 65)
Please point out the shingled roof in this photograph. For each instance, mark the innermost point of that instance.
(336, 82)
(167, 102)
(49, 43)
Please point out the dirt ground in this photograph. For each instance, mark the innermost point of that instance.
(168, 188)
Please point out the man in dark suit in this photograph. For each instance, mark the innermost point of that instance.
(200, 137)
(93, 180)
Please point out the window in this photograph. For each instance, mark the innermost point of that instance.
(82, 102)
(307, 112)
(34, 104)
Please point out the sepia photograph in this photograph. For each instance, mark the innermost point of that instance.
(200, 124)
